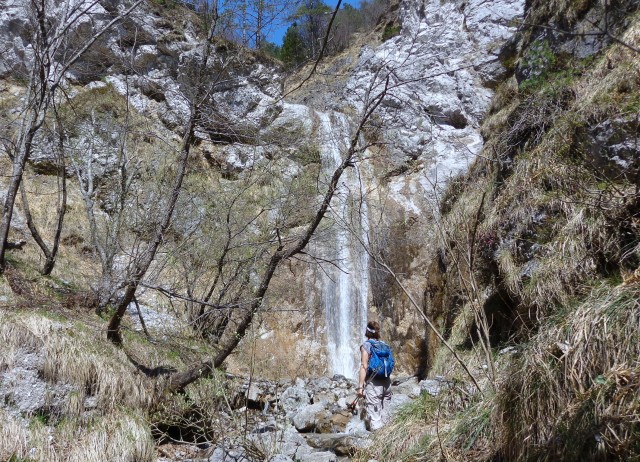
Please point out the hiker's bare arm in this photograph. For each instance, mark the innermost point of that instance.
(362, 373)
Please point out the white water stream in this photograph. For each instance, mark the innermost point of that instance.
(345, 288)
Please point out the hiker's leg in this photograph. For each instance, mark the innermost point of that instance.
(385, 397)
(375, 393)
(373, 405)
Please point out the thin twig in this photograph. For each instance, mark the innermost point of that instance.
(142, 323)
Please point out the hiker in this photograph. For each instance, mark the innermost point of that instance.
(374, 376)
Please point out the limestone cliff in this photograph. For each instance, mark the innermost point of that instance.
(533, 277)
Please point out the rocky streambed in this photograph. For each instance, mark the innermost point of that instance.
(306, 420)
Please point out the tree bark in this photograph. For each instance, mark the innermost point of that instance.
(19, 163)
(49, 254)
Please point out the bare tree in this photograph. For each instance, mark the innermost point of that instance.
(51, 29)
(50, 253)
(202, 88)
(106, 228)
(286, 249)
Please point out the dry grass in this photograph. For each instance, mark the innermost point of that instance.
(550, 240)
(71, 354)
(75, 250)
(13, 437)
(565, 10)
(117, 437)
(76, 355)
(572, 394)
(575, 390)
(612, 83)
(125, 438)
(553, 215)
(453, 425)
(411, 431)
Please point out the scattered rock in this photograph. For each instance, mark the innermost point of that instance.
(508, 350)
(225, 455)
(307, 418)
(24, 391)
(294, 398)
(339, 443)
(281, 458)
(431, 386)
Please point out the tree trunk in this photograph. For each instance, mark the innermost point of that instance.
(142, 265)
(259, 20)
(19, 162)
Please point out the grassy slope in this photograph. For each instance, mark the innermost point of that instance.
(543, 236)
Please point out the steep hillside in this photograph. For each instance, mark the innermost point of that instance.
(199, 238)
(534, 274)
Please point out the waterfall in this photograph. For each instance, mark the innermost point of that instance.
(345, 288)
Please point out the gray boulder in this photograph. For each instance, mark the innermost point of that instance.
(431, 386)
(18, 221)
(281, 458)
(392, 406)
(293, 399)
(226, 455)
(321, 457)
(307, 418)
(294, 445)
(409, 387)
(338, 443)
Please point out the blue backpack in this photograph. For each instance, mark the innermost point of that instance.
(381, 360)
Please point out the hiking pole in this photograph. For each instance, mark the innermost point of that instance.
(352, 406)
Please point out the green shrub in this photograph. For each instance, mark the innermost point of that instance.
(390, 30)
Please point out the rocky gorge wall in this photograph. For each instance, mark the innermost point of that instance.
(534, 280)
(519, 269)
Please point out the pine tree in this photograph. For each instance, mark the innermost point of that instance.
(313, 16)
(293, 50)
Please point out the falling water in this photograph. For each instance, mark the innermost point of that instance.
(345, 288)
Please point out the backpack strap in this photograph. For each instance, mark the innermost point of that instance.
(374, 345)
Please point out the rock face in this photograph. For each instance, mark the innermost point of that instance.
(437, 77)
(441, 71)
(607, 143)
(147, 57)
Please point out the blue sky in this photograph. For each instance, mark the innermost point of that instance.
(277, 32)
